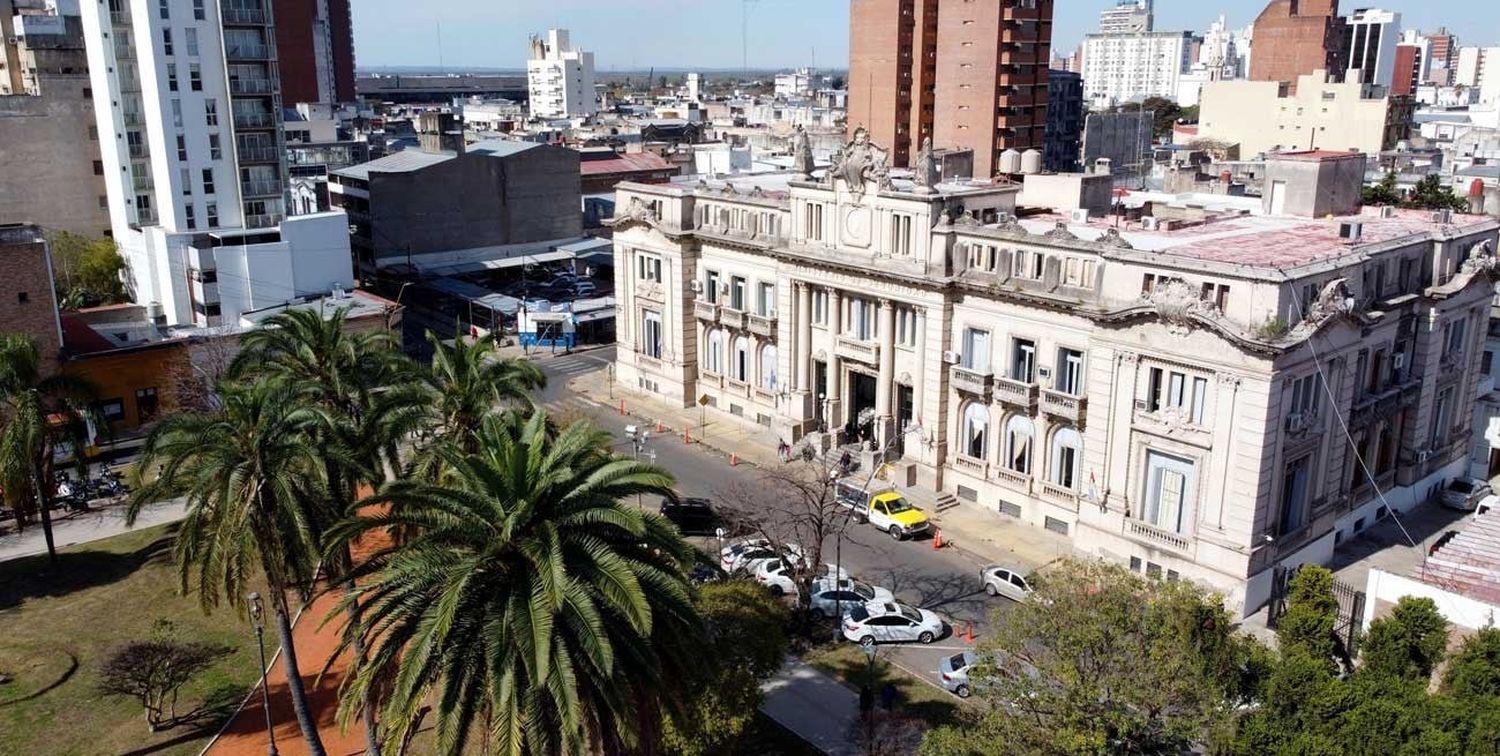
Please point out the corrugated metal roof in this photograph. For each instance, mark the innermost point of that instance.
(399, 162)
(500, 147)
(1469, 564)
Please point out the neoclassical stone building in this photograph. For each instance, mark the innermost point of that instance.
(1198, 391)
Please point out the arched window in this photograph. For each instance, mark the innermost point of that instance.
(739, 362)
(1018, 434)
(713, 352)
(1066, 456)
(976, 430)
(768, 367)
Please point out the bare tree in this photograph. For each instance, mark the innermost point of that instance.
(153, 672)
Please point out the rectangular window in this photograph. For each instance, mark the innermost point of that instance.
(177, 113)
(195, 77)
(185, 175)
(166, 41)
(906, 326)
(198, 13)
(737, 293)
(208, 181)
(113, 410)
(172, 77)
(765, 300)
(1070, 371)
(1023, 360)
(213, 214)
(145, 403)
(1169, 485)
(648, 267)
(192, 41)
(211, 111)
(1306, 395)
(1484, 362)
(165, 6)
(982, 257)
(651, 333)
(1294, 495)
(182, 148)
(1200, 400)
(1029, 264)
(976, 354)
(861, 322)
(215, 150)
(187, 213)
(820, 307)
(711, 286)
(1442, 417)
(1453, 339)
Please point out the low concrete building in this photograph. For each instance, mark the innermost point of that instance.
(1265, 116)
(1194, 392)
(493, 193)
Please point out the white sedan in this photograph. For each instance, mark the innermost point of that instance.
(830, 599)
(1003, 581)
(746, 555)
(776, 574)
(890, 622)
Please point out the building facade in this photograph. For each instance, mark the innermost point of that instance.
(1478, 69)
(49, 146)
(1261, 116)
(1406, 73)
(560, 80)
(1172, 398)
(1373, 36)
(1064, 121)
(28, 302)
(1442, 54)
(188, 110)
(1297, 37)
(1127, 17)
(316, 50)
(1131, 67)
(967, 75)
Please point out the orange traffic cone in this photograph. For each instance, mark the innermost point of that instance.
(658, 426)
(622, 406)
(734, 459)
(685, 438)
(969, 635)
(937, 539)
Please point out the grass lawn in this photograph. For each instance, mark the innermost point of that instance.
(57, 628)
(847, 662)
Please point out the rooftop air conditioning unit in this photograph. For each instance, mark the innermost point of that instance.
(1351, 230)
(1151, 223)
(950, 358)
(1398, 362)
(1442, 216)
(1079, 215)
(1387, 212)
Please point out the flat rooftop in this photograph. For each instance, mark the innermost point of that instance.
(1260, 241)
(776, 184)
(1469, 564)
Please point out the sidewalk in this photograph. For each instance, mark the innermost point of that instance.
(816, 707)
(986, 536)
(101, 521)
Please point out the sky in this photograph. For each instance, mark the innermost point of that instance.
(639, 34)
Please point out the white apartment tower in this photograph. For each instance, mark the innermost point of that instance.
(560, 80)
(1135, 65)
(188, 107)
(1126, 17)
(1373, 36)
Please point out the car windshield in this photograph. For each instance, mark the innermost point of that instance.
(957, 661)
(911, 614)
(858, 614)
(865, 592)
(1461, 486)
(897, 506)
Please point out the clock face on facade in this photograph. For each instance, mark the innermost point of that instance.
(856, 230)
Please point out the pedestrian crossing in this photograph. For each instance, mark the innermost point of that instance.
(571, 368)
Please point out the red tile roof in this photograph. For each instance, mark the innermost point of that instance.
(1469, 564)
(636, 162)
(80, 338)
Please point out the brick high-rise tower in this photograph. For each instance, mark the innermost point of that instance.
(1296, 37)
(968, 75)
(315, 50)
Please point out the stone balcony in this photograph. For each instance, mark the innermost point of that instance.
(856, 349)
(1058, 494)
(706, 310)
(1158, 537)
(1015, 393)
(1066, 406)
(1012, 479)
(976, 467)
(731, 318)
(971, 381)
(763, 325)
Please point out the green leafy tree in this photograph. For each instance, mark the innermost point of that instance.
(1408, 643)
(88, 272)
(746, 629)
(154, 671)
(1104, 661)
(37, 414)
(1311, 614)
(253, 480)
(526, 602)
(1474, 670)
(1384, 192)
(1430, 194)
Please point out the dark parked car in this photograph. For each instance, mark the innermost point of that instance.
(690, 515)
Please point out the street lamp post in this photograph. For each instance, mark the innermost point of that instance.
(258, 619)
(838, 536)
(638, 438)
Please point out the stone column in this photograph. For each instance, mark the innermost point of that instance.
(885, 383)
(919, 378)
(835, 368)
(804, 337)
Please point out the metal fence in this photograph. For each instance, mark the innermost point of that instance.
(1347, 620)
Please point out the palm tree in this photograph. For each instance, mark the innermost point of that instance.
(253, 480)
(36, 415)
(526, 598)
(363, 386)
(468, 381)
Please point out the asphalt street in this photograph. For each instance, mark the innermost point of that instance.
(942, 580)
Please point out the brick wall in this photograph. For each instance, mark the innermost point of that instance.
(27, 303)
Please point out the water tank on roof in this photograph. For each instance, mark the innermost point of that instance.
(1031, 161)
(1226, 177)
(1010, 161)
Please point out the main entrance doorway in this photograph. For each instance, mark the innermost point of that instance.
(860, 422)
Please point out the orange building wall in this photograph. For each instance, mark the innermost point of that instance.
(118, 374)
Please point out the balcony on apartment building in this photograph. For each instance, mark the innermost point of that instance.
(257, 154)
(705, 310)
(732, 317)
(854, 348)
(260, 188)
(973, 381)
(243, 16)
(1022, 394)
(242, 85)
(254, 121)
(1067, 406)
(763, 325)
(244, 51)
(262, 220)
